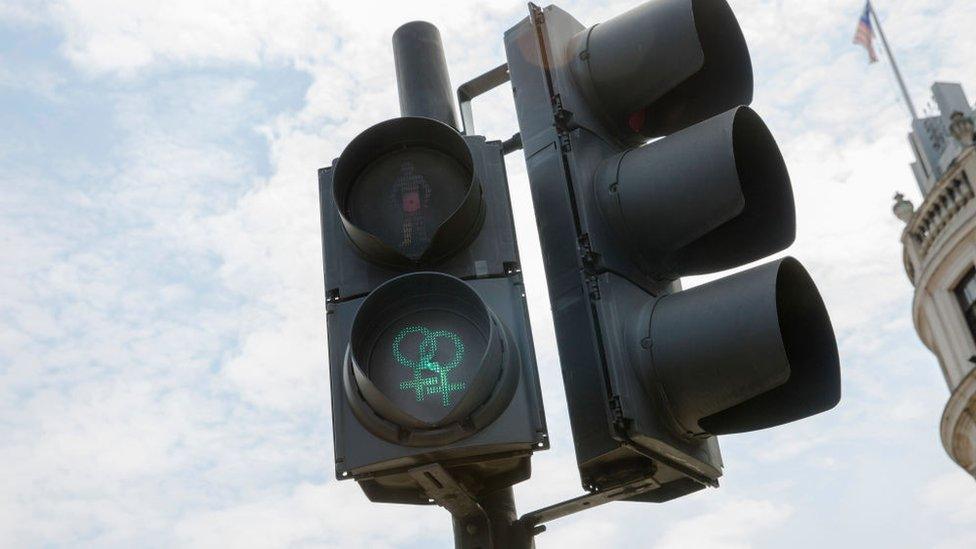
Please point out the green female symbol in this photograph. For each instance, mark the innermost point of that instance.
(438, 383)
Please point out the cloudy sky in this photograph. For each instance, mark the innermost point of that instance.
(163, 376)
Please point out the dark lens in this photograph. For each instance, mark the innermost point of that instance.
(425, 360)
(404, 196)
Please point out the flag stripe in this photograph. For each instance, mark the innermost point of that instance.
(864, 35)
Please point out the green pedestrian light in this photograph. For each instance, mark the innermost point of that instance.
(435, 392)
(426, 363)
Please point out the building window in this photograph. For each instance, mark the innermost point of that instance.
(966, 294)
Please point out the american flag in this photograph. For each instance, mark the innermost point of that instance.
(865, 34)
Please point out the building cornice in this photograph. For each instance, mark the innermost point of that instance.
(925, 231)
(959, 421)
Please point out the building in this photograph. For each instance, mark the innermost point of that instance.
(940, 258)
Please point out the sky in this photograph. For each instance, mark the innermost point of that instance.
(163, 369)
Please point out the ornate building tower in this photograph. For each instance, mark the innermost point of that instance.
(940, 258)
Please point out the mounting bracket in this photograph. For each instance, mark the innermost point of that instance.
(441, 487)
(475, 87)
(588, 501)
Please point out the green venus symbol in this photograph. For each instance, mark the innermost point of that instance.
(425, 363)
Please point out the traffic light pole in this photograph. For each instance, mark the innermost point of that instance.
(504, 529)
(479, 523)
(423, 83)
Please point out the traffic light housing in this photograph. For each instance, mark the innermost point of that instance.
(653, 373)
(430, 349)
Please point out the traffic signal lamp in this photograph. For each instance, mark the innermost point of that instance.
(660, 67)
(653, 372)
(428, 362)
(407, 193)
(430, 349)
(746, 352)
(709, 197)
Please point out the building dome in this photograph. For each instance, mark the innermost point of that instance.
(940, 258)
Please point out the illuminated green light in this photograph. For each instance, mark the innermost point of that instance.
(438, 383)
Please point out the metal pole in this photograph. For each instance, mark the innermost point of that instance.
(421, 69)
(894, 65)
(505, 529)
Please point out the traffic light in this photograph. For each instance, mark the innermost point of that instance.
(430, 350)
(653, 372)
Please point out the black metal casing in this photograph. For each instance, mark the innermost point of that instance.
(652, 373)
(594, 285)
(491, 458)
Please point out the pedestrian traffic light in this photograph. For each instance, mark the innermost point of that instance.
(653, 372)
(430, 349)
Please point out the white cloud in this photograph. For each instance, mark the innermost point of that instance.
(44, 83)
(951, 495)
(326, 515)
(582, 534)
(734, 525)
(107, 36)
(24, 12)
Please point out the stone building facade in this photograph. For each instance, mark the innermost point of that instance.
(940, 258)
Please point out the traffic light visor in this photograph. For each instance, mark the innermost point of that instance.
(708, 198)
(662, 66)
(407, 192)
(745, 352)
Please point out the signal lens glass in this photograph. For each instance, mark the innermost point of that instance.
(403, 197)
(424, 361)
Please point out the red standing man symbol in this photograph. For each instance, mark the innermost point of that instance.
(411, 195)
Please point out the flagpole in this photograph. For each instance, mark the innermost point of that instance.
(894, 65)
